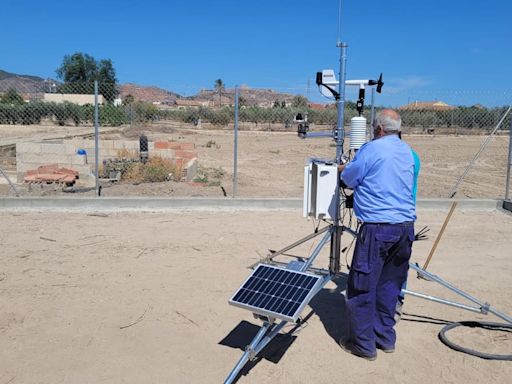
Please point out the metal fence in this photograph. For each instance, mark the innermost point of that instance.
(160, 144)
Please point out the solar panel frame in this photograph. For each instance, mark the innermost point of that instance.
(276, 292)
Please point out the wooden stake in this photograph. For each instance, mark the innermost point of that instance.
(454, 204)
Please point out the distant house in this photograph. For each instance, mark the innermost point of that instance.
(182, 103)
(72, 98)
(427, 106)
(316, 106)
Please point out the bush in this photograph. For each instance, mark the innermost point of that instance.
(157, 169)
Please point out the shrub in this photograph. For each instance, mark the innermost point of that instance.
(155, 170)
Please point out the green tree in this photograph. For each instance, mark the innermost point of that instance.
(242, 102)
(219, 87)
(80, 70)
(12, 97)
(299, 102)
(129, 99)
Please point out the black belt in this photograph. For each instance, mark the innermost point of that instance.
(404, 224)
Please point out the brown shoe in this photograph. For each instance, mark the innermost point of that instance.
(348, 347)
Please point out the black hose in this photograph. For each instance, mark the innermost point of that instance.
(474, 324)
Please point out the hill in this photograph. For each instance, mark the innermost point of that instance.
(28, 85)
(24, 84)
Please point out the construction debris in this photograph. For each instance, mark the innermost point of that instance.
(51, 174)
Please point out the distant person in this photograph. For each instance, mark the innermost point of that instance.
(382, 177)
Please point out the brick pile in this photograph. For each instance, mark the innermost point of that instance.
(184, 154)
(50, 174)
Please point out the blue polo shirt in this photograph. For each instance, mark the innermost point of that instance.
(382, 176)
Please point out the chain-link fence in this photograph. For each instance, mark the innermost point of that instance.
(156, 143)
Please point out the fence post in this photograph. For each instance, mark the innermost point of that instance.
(235, 152)
(509, 166)
(96, 139)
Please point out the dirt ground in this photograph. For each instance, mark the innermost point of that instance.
(270, 164)
(143, 298)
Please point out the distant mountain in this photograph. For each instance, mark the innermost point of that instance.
(6, 75)
(148, 94)
(28, 85)
(251, 97)
(24, 84)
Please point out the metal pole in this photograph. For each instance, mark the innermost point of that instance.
(442, 301)
(372, 115)
(334, 259)
(96, 138)
(485, 306)
(235, 155)
(10, 182)
(248, 354)
(509, 166)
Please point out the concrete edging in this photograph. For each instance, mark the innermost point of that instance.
(202, 203)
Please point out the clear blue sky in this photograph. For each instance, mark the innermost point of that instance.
(459, 51)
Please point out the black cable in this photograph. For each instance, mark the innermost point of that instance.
(474, 324)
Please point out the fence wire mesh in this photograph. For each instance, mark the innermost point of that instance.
(155, 143)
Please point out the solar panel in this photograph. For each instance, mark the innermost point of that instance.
(277, 292)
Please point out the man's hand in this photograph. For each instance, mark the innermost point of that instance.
(341, 167)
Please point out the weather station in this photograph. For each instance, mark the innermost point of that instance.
(276, 292)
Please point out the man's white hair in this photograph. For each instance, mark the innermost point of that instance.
(388, 123)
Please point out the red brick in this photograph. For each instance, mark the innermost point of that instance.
(185, 154)
(162, 145)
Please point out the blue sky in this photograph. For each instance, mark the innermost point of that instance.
(458, 51)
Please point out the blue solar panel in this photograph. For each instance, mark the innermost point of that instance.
(276, 292)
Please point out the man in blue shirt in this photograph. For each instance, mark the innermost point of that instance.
(382, 177)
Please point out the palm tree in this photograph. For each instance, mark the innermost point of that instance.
(219, 87)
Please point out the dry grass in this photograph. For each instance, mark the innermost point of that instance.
(155, 170)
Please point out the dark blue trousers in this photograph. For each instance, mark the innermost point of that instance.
(379, 268)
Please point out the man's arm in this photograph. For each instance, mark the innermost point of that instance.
(353, 172)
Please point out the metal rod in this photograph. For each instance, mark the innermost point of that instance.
(96, 139)
(475, 158)
(273, 333)
(10, 182)
(334, 258)
(316, 135)
(372, 114)
(509, 166)
(247, 354)
(291, 246)
(235, 151)
(442, 301)
(319, 247)
(440, 234)
(444, 283)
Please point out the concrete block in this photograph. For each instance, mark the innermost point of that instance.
(79, 159)
(46, 158)
(53, 148)
(28, 147)
(190, 171)
(71, 148)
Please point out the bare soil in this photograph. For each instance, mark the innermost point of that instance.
(270, 164)
(143, 298)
